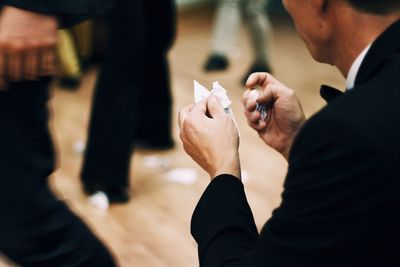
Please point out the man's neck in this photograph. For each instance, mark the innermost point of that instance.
(364, 29)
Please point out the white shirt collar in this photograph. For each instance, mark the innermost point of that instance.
(351, 77)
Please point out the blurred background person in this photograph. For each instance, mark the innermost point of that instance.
(36, 229)
(128, 111)
(226, 26)
(74, 52)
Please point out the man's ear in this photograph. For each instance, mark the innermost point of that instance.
(323, 11)
(321, 7)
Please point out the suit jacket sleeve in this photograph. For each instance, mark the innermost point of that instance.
(68, 11)
(328, 196)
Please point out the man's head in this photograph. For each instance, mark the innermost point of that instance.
(335, 31)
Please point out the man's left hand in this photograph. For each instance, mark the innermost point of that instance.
(210, 137)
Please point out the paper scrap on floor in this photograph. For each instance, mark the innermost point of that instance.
(182, 175)
(156, 162)
(99, 200)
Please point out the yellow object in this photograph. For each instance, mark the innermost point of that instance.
(83, 34)
(69, 64)
(74, 45)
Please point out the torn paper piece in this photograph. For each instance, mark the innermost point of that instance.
(99, 200)
(182, 176)
(220, 92)
(200, 92)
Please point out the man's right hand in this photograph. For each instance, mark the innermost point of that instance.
(285, 115)
(27, 45)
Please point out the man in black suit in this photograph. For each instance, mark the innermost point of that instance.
(341, 200)
(36, 229)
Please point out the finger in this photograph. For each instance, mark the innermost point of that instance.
(214, 106)
(256, 79)
(47, 64)
(249, 94)
(14, 51)
(268, 95)
(14, 67)
(200, 107)
(259, 126)
(252, 117)
(250, 103)
(261, 79)
(183, 113)
(31, 71)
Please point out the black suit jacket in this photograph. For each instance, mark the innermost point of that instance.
(68, 11)
(341, 199)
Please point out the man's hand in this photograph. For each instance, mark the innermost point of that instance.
(210, 137)
(27, 45)
(285, 115)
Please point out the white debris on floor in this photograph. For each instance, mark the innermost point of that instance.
(156, 162)
(99, 200)
(182, 175)
(79, 147)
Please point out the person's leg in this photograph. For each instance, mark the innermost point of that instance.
(154, 127)
(114, 117)
(154, 123)
(35, 228)
(260, 32)
(226, 23)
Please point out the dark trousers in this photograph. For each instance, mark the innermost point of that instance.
(36, 229)
(132, 102)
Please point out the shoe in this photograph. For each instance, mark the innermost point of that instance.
(69, 82)
(256, 67)
(216, 62)
(117, 195)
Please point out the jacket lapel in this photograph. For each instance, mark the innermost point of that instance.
(381, 50)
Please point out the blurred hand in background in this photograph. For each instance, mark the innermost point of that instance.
(27, 45)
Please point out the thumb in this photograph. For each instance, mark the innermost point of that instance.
(200, 107)
(214, 106)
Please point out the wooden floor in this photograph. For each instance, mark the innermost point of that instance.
(152, 230)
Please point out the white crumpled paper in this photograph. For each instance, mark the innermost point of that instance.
(201, 92)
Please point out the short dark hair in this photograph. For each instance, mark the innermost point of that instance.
(376, 6)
